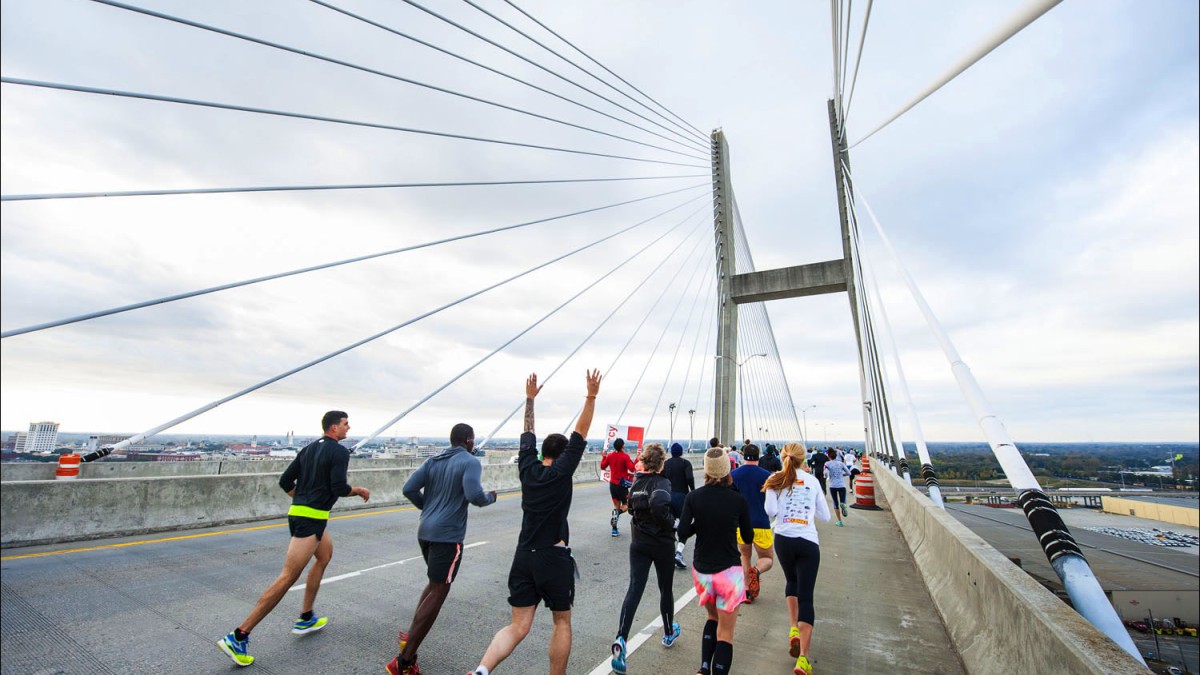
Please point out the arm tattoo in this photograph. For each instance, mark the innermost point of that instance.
(529, 414)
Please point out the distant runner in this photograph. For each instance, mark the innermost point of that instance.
(794, 502)
(681, 473)
(749, 479)
(620, 468)
(314, 481)
(653, 543)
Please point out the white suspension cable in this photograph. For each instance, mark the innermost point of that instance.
(601, 324)
(514, 338)
(205, 408)
(671, 368)
(314, 268)
(1064, 555)
(935, 491)
(862, 39)
(658, 343)
(317, 188)
(1015, 23)
(640, 324)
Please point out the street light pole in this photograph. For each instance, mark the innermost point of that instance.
(671, 414)
(692, 433)
(804, 417)
(741, 389)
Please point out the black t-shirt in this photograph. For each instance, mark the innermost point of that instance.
(681, 474)
(546, 492)
(318, 474)
(818, 464)
(715, 514)
(771, 463)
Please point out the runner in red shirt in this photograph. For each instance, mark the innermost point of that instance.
(620, 478)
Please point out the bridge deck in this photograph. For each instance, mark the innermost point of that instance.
(158, 603)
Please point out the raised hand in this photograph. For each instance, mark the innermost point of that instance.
(531, 386)
(593, 382)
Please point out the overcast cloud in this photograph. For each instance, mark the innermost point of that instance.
(1046, 201)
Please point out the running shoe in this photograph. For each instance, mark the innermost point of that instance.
(752, 585)
(679, 560)
(616, 532)
(803, 667)
(845, 511)
(839, 524)
(669, 639)
(618, 656)
(794, 642)
(236, 649)
(394, 668)
(313, 625)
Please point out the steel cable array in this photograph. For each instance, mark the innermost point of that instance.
(621, 114)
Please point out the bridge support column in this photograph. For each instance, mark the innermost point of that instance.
(725, 363)
(841, 156)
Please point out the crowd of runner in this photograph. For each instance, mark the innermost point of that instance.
(754, 506)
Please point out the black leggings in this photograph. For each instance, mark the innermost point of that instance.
(839, 497)
(641, 555)
(800, 559)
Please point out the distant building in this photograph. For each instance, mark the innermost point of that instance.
(19, 439)
(42, 437)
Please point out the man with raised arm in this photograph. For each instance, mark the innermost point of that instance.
(441, 487)
(314, 481)
(543, 569)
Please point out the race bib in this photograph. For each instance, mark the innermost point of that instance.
(796, 521)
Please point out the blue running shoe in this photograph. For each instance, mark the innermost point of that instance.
(302, 627)
(669, 639)
(236, 649)
(618, 657)
(616, 532)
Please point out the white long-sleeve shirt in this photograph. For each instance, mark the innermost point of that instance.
(794, 509)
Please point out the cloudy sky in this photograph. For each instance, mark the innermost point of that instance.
(1045, 201)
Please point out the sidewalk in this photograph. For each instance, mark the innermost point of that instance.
(873, 613)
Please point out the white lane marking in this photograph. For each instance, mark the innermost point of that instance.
(348, 575)
(653, 628)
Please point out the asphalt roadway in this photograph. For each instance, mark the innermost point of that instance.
(158, 603)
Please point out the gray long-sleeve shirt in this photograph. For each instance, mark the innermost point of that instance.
(442, 487)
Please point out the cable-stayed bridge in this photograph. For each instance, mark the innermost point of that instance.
(611, 238)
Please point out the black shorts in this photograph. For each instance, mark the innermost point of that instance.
(546, 574)
(302, 527)
(618, 492)
(442, 560)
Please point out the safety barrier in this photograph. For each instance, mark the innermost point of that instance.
(999, 618)
(50, 511)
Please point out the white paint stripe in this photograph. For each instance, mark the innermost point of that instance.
(654, 627)
(330, 580)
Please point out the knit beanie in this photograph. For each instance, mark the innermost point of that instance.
(676, 450)
(716, 463)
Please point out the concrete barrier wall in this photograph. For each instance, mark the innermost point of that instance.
(50, 511)
(12, 471)
(1000, 619)
(1178, 515)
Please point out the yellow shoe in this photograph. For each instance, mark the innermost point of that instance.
(803, 667)
(794, 642)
